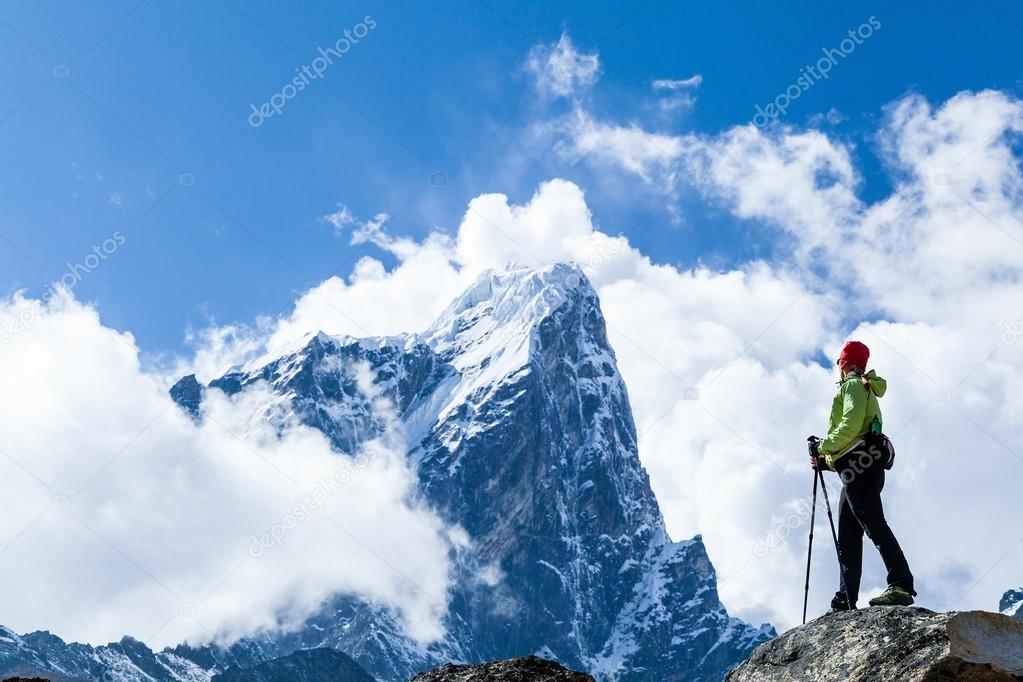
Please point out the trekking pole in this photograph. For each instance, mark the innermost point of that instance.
(834, 535)
(809, 548)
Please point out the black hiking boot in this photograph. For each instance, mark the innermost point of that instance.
(839, 604)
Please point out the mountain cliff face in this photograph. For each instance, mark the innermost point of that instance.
(885, 643)
(519, 427)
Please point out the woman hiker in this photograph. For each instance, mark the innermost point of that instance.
(844, 451)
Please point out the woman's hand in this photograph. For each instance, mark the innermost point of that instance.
(814, 445)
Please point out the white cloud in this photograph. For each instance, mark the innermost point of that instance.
(372, 231)
(375, 301)
(677, 93)
(683, 84)
(560, 70)
(677, 102)
(952, 224)
(801, 181)
(833, 117)
(122, 516)
(341, 218)
(654, 157)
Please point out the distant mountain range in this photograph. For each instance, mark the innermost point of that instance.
(520, 431)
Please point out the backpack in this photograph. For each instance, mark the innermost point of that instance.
(880, 445)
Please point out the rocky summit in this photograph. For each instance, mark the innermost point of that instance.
(882, 644)
(520, 669)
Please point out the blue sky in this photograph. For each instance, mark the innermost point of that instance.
(107, 108)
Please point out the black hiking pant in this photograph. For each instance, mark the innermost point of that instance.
(859, 512)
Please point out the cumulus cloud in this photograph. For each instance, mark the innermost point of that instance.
(560, 70)
(951, 224)
(124, 516)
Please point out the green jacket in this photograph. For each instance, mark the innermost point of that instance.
(852, 411)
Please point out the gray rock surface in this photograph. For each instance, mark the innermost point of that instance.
(531, 668)
(892, 643)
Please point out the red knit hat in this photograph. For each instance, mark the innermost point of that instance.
(854, 354)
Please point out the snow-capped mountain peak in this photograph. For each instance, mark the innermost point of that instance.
(488, 333)
(501, 310)
(519, 427)
(516, 293)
